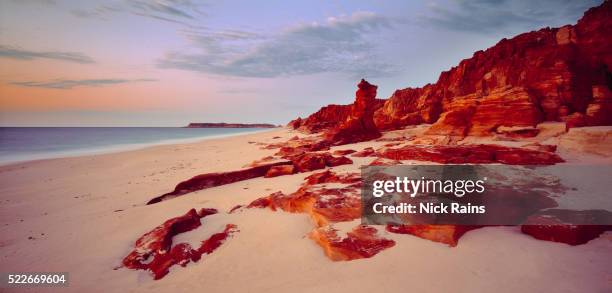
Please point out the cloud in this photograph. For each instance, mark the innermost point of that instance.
(176, 11)
(70, 83)
(44, 2)
(340, 44)
(494, 16)
(21, 54)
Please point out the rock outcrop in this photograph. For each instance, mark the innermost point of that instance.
(471, 154)
(154, 250)
(326, 118)
(560, 225)
(553, 74)
(209, 180)
(359, 125)
(361, 242)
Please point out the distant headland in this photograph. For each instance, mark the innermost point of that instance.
(230, 125)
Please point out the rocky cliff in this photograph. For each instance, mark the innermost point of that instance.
(553, 74)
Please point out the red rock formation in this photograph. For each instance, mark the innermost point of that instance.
(324, 205)
(362, 242)
(216, 179)
(409, 106)
(364, 153)
(280, 171)
(338, 161)
(326, 118)
(295, 123)
(476, 154)
(552, 74)
(359, 125)
(329, 176)
(314, 161)
(183, 253)
(385, 162)
(565, 225)
(154, 251)
(447, 234)
(343, 152)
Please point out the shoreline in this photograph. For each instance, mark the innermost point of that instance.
(83, 215)
(113, 149)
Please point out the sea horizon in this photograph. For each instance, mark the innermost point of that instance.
(19, 144)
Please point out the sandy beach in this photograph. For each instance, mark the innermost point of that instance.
(82, 215)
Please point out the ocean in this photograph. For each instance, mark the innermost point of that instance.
(19, 144)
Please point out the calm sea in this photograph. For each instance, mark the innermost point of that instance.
(33, 143)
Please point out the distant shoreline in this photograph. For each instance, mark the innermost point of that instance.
(230, 125)
(114, 148)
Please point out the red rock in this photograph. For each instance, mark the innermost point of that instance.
(359, 125)
(310, 161)
(335, 205)
(206, 212)
(385, 162)
(326, 118)
(575, 120)
(543, 75)
(264, 202)
(447, 234)
(329, 176)
(280, 171)
(599, 111)
(314, 161)
(183, 253)
(216, 179)
(362, 242)
(476, 154)
(300, 147)
(343, 152)
(337, 161)
(324, 205)
(564, 225)
(364, 153)
(235, 208)
(454, 122)
(392, 144)
(154, 251)
(409, 106)
(296, 123)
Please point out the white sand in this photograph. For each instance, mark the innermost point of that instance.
(73, 202)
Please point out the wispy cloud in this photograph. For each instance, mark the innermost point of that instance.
(45, 2)
(176, 11)
(72, 83)
(22, 54)
(340, 44)
(494, 16)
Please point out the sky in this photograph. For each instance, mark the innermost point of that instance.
(168, 63)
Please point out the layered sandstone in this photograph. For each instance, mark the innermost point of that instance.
(155, 252)
(553, 74)
(359, 125)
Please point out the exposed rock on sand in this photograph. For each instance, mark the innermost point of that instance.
(154, 250)
(361, 242)
(477, 154)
